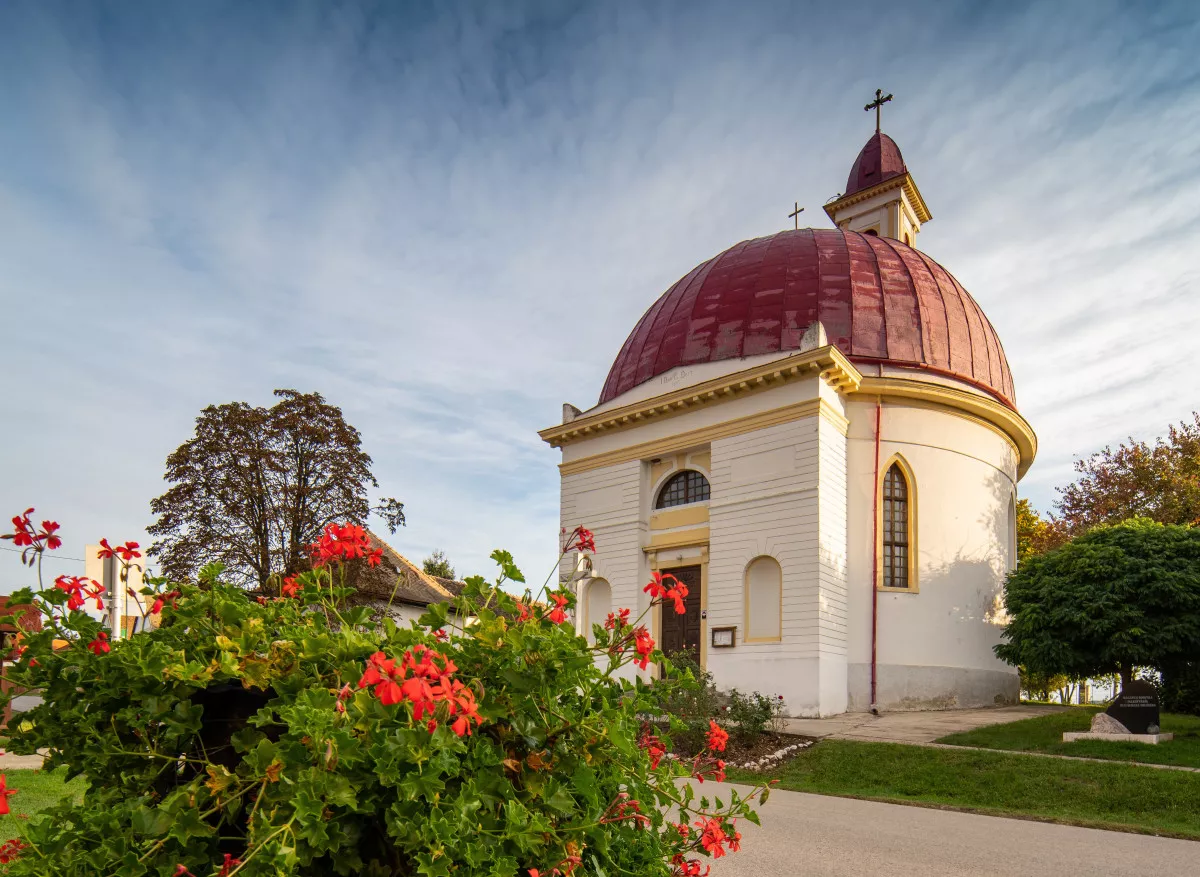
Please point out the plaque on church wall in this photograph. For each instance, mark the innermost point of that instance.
(723, 637)
(1136, 707)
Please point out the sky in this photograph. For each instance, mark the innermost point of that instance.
(446, 218)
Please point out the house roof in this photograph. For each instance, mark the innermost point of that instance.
(409, 582)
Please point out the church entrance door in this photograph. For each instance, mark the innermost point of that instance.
(681, 633)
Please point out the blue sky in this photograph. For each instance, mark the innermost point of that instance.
(447, 217)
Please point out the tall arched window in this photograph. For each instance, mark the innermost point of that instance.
(681, 489)
(764, 600)
(598, 601)
(897, 570)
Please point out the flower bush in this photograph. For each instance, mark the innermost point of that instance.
(293, 735)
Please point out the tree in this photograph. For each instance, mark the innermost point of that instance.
(1115, 598)
(1160, 481)
(255, 486)
(437, 564)
(1035, 534)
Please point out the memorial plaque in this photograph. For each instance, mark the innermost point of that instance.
(1136, 707)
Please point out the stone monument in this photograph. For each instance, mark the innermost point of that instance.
(1132, 717)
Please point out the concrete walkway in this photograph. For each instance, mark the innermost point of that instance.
(819, 836)
(916, 727)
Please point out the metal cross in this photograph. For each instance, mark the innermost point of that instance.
(876, 104)
(795, 214)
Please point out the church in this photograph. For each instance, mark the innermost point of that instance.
(817, 432)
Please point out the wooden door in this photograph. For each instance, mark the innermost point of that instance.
(681, 633)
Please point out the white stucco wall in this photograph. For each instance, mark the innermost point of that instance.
(934, 645)
(802, 491)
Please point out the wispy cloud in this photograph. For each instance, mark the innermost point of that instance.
(447, 221)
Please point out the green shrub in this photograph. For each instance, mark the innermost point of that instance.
(298, 736)
(752, 715)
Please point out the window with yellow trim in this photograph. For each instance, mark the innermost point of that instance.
(686, 487)
(897, 528)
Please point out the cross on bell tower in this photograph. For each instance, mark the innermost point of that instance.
(881, 198)
(877, 105)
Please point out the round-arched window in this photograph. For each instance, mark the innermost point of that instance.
(682, 489)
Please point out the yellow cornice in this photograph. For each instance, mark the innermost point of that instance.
(828, 362)
(1011, 424)
(904, 181)
(708, 434)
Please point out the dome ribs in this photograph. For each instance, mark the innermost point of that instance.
(880, 301)
(901, 309)
(958, 330)
(868, 323)
(834, 297)
(764, 323)
(800, 288)
(931, 306)
(699, 310)
(675, 321)
(995, 375)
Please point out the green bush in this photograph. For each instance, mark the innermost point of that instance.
(692, 706)
(752, 715)
(1179, 690)
(298, 736)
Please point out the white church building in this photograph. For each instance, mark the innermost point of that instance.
(817, 432)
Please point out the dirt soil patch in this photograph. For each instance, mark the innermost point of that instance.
(740, 751)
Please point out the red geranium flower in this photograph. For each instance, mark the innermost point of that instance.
(80, 589)
(665, 587)
(126, 552)
(557, 615)
(654, 747)
(291, 587)
(99, 645)
(341, 542)
(170, 597)
(48, 530)
(228, 865)
(10, 850)
(5, 791)
(617, 620)
(429, 684)
(581, 539)
(643, 645)
(717, 737)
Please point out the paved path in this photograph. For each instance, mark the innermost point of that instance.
(916, 727)
(840, 837)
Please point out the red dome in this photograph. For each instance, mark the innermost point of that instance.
(879, 300)
(879, 160)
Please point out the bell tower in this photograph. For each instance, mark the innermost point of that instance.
(881, 196)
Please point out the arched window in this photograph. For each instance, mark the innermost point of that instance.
(683, 488)
(764, 600)
(598, 603)
(897, 554)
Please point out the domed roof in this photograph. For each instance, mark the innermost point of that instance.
(879, 300)
(879, 160)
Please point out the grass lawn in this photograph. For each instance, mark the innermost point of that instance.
(36, 791)
(1044, 734)
(1114, 796)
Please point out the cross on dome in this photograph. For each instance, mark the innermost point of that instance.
(877, 105)
(795, 214)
